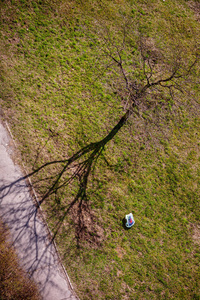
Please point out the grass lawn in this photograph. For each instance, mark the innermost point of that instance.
(57, 97)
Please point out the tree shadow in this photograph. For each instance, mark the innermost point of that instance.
(61, 174)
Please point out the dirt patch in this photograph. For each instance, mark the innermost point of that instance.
(14, 41)
(195, 6)
(196, 234)
(87, 229)
(120, 252)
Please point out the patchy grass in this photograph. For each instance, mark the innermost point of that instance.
(14, 282)
(56, 102)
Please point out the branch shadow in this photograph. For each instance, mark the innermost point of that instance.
(19, 208)
(30, 237)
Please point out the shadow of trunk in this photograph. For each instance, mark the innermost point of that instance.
(82, 162)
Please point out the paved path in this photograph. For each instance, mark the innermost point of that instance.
(29, 234)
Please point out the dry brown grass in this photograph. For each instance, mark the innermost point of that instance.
(14, 282)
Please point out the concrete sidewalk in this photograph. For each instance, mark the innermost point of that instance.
(29, 234)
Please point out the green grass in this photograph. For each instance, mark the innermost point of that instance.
(56, 103)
